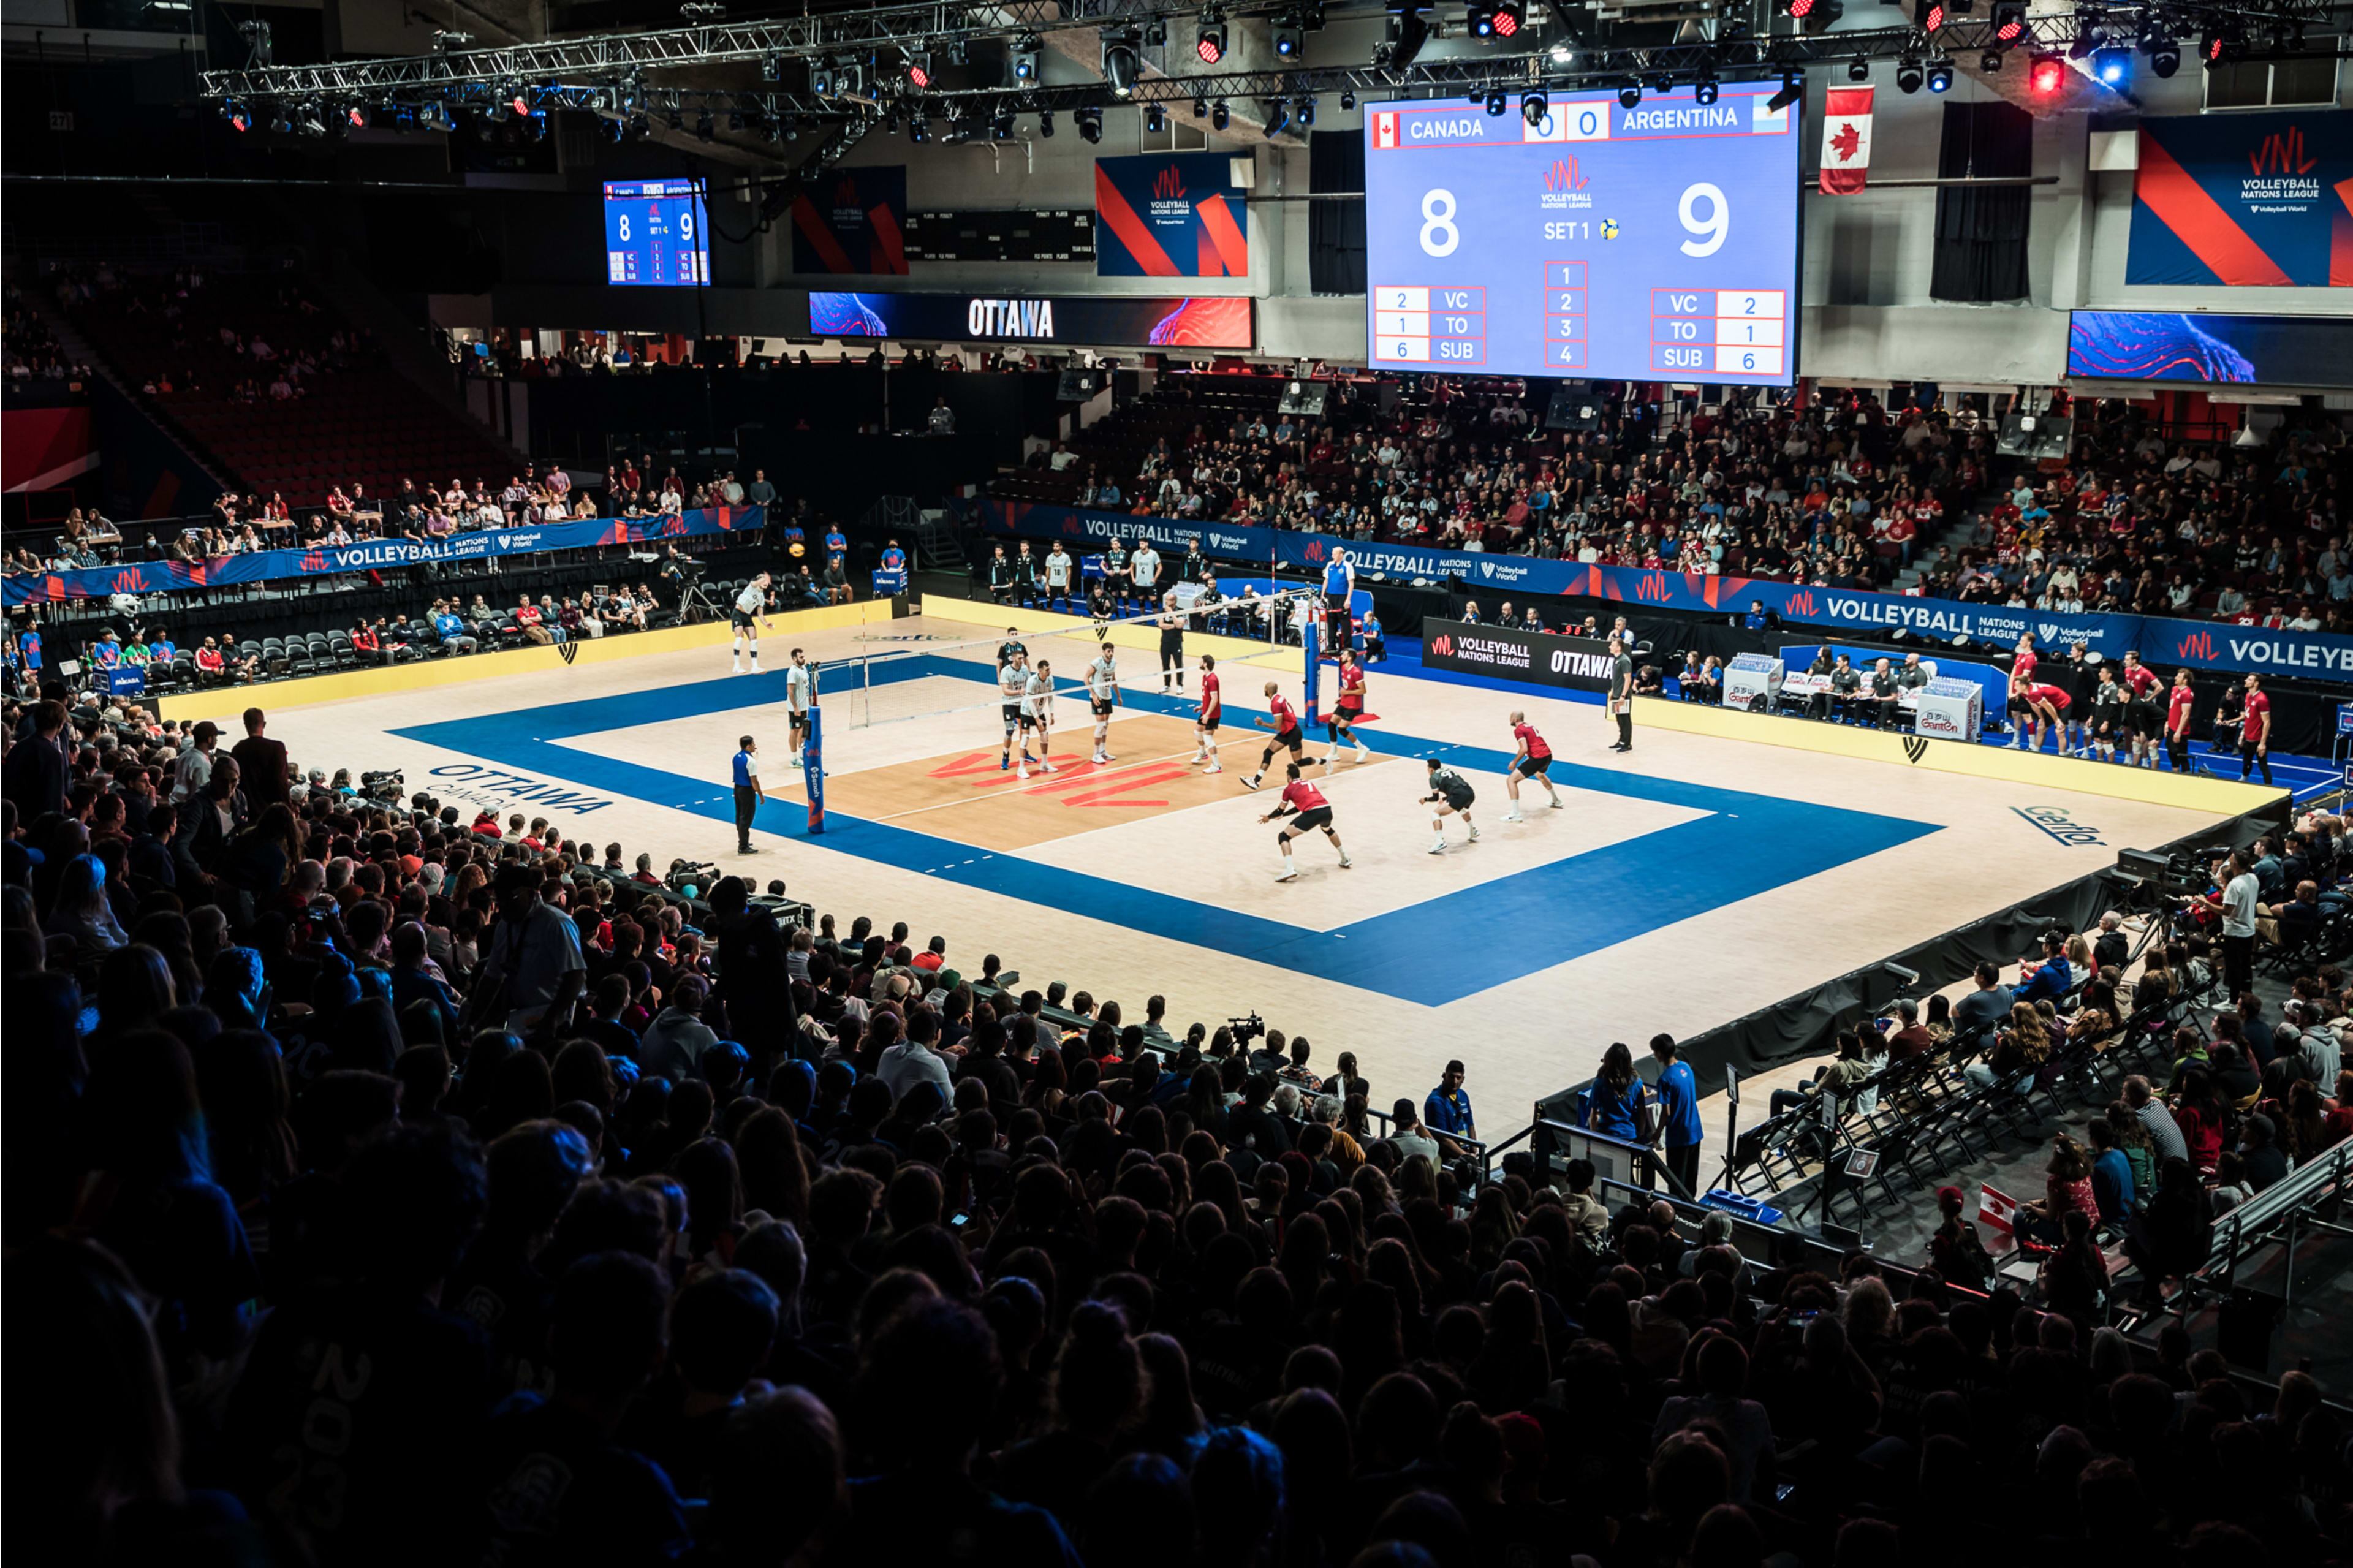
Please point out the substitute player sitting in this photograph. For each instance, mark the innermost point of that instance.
(1283, 719)
(1205, 724)
(1453, 794)
(748, 605)
(1037, 718)
(1531, 759)
(1312, 811)
(1102, 695)
(1012, 687)
(1341, 726)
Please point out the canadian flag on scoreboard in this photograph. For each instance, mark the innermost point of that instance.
(1384, 131)
(1846, 140)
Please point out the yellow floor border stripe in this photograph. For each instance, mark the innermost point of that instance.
(309, 690)
(2221, 797)
(1132, 635)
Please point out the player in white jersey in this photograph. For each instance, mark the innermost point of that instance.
(797, 682)
(748, 605)
(1037, 714)
(1012, 683)
(1102, 694)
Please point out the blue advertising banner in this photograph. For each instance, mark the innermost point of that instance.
(2200, 644)
(1170, 215)
(368, 556)
(853, 221)
(2165, 345)
(2244, 200)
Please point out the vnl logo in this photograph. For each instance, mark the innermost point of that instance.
(1442, 646)
(1565, 185)
(2199, 646)
(1166, 185)
(2282, 154)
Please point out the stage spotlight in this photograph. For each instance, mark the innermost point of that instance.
(1408, 31)
(238, 120)
(1200, 109)
(1348, 99)
(1156, 118)
(2219, 48)
(1122, 62)
(1990, 62)
(1630, 94)
(1278, 118)
(1284, 33)
(1000, 126)
(2110, 66)
(1705, 90)
(1155, 33)
(1793, 90)
(1534, 107)
(1931, 16)
(1858, 69)
(2164, 56)
(703, 127)
(919, 130)
(1046, 122)
(919, 68)
(1478, 20)
(1221, 116)
(356, 117)
(2046, 74)
(1304, 111)
(1908, 76)
(1021, 60)
(2009, 21)
(1496, 103)
(1509, 19)
(1089, 124)
(1211, 42)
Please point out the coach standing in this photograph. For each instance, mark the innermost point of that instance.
(1621, 692)
(747, 793)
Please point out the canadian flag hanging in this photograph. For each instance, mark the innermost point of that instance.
(1996, 1208)
(1846, 140)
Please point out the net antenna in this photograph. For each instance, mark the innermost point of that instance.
(1253, 617)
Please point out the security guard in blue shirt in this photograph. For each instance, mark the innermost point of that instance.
(1679, 1124)
(1447, 1111)
(747, 793)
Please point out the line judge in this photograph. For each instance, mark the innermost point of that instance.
(747, 793)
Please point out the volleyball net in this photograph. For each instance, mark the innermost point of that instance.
(883, 685)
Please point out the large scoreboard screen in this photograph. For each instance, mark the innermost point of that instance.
(1655, 243)
(655, 233)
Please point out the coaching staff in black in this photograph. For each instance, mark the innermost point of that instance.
(1621, 692)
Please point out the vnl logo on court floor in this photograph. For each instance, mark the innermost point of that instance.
(2058, 822)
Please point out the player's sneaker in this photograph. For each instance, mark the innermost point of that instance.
(1288, 874)
(1213, 768)
(1345, 862)
(1250, 782)
(1364, 752)
(1437, 845)
(1047, 766)
(1002, 764)
(1514, 817)
(1557, 802)
(1475, 835)
(1023, 774)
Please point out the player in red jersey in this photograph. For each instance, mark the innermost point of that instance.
(1205, 724)
(1313, 812)
(1341, 726)
(2255, 732)
(1531, 759)
(2141, 715)
(1283, 719)
(2045, 705)
(2180, 702)
(2022, 677)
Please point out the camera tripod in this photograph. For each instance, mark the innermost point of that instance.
(693, 604)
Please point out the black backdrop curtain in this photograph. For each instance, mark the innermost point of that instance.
(1336, 229)
(1981, 229)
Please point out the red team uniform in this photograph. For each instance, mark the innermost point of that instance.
(1308, 801)
(1286, 720)
(1540, 757)
(1352, 690)
(1212, 705)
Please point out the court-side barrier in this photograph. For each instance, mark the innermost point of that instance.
(221, 702)
(2159, 640)
(2189, 792)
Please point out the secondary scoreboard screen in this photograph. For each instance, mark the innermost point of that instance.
(1656, 243)
(655, 233)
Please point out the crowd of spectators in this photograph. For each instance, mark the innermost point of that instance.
(1840, 490)
(29, 350)
(387, 1179)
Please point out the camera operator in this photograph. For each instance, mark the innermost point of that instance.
(2235, 905)
(756, 981)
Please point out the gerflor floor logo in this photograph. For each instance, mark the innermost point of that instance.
(570, 650)
(1915, 748)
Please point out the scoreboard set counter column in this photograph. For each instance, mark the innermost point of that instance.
(1432, 324)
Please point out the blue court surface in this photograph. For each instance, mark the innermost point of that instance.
(1434, 951)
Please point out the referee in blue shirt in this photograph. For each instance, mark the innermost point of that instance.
(747, 793)
(1447, 1111)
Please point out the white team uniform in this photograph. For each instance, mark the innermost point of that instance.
(1012, 683)
(1037, 699)
(796, 690)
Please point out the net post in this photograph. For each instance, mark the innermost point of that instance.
(1310, 635)
(813, 757)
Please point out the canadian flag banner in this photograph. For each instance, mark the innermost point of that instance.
(1846, 140)
(1995, 1208)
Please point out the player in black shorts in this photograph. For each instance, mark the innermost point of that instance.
(1172, 642)
(1283, 719)
(1453, 794)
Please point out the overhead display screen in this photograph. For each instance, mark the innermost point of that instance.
(1656, 243)
(655, 233)
(1108, 320)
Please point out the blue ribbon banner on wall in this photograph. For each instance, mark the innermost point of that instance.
(2200, 644)
(369, 555)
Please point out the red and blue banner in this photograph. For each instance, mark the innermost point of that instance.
(2245, 201)
(2200, 644)
(2165, 345)
(1170, 215)
(368, 556)
(853, 221)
